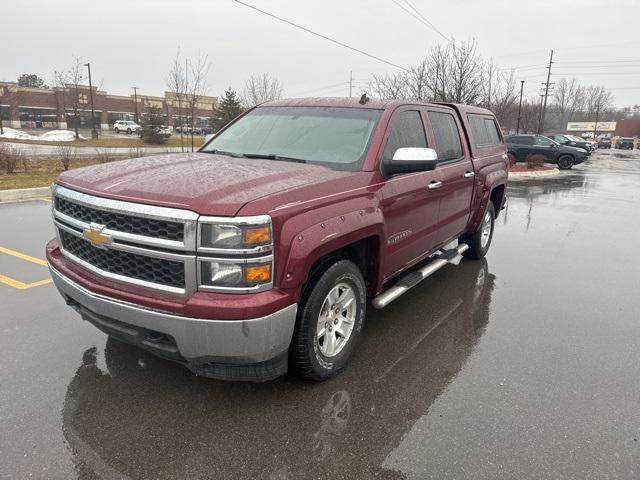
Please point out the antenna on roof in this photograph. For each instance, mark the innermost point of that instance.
(363, 99)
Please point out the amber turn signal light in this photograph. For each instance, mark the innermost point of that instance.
(257, 273)
(257, 235)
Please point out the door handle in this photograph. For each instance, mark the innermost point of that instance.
(469, 174)
(435, 184)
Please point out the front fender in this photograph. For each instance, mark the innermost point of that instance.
(309, 245)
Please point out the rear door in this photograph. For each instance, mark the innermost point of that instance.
(456, 169)
(410, 207)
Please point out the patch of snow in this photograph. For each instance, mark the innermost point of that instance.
(59, 136)
(51, 136)
(15, 134)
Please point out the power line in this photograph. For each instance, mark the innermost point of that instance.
(332, 40)
(420, 17)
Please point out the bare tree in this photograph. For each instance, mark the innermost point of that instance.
(75, 95)
(177, 84)
(390, 86)
(196, 86)
(261, 88)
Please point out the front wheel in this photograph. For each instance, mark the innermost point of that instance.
(116, 130)
(565, 162)
(329, 322)
(480, 241)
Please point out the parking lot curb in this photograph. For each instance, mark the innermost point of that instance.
(22, 194)
(544, 173)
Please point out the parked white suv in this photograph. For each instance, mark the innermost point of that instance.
(125, 126)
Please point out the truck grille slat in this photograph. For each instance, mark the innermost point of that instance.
(150, 269)
(147, 227)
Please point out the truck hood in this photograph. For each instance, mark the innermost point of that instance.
(205, 183)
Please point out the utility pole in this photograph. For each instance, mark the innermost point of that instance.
(94, 132)
(350, 83)
(520, 106)
(135, 103)
(546, 94)
(595, 127)
(540, 114)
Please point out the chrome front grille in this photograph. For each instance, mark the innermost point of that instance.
(148, 227)
(145, 245)
(148, 269)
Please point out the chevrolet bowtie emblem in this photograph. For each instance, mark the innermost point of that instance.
(95, 236)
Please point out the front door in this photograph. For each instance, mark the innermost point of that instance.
(409, 206)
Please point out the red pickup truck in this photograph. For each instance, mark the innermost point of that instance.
(260, 252)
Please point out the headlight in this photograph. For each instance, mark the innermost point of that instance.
(227, 274)
(250, 235)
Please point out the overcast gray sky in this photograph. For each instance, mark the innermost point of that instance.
(131, 42)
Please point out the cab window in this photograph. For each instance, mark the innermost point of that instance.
(407, 130)
(447, 137)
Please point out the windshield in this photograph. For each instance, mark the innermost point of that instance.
(331, 136)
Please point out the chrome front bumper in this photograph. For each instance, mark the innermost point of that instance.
(209, 347)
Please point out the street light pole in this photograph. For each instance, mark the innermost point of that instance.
(595, 126)
(94, 132)
(135, 103)
(520, 107)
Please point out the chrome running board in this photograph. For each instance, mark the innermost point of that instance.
(410, 280)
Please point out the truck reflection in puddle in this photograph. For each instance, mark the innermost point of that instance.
(146, 417)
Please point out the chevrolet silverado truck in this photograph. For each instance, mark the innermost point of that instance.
(260, 253)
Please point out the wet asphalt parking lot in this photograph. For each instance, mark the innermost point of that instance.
(523, 365)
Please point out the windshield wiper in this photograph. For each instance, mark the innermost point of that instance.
(228, 154)
(273, 156)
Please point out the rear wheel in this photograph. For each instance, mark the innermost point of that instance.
(480, 241)
(512, 159)
(128, 131)
(329, 322)
(565, 162)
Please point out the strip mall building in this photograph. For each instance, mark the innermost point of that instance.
(22, 107)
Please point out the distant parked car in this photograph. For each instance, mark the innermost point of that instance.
(519, 147)
(126, 126)
(604, 143)
(164, 130)
(624, 143)
(571, 141)
(183, 128)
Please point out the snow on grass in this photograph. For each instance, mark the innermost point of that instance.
(15, 134)
(51, 136)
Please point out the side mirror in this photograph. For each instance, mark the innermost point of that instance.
(411, 159)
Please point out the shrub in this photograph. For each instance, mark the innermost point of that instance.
(10, 157)
(535, 161)
(103, 156)
(65, 155)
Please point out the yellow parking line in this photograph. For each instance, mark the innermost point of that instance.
(22, 256)
(46, 200)
(21, 285)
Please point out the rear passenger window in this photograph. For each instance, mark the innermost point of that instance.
(445, 131)
(407, 131)
(484, 131)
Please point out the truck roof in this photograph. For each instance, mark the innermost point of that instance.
(373, 103)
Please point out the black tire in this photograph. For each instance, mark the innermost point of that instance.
(116, 130)
(128, 131)
(474, 240)
(305, 356)
(512, 159)
(565, 162)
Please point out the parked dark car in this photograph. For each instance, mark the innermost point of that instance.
(604, 143)
(625, 143)
(519, 147)
(571, 141)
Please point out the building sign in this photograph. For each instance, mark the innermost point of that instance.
(591, 126)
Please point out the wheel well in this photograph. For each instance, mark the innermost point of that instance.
(497, 197)
(364, 253)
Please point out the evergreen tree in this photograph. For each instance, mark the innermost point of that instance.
(228, 109)
(151, 122)
(31, 80)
